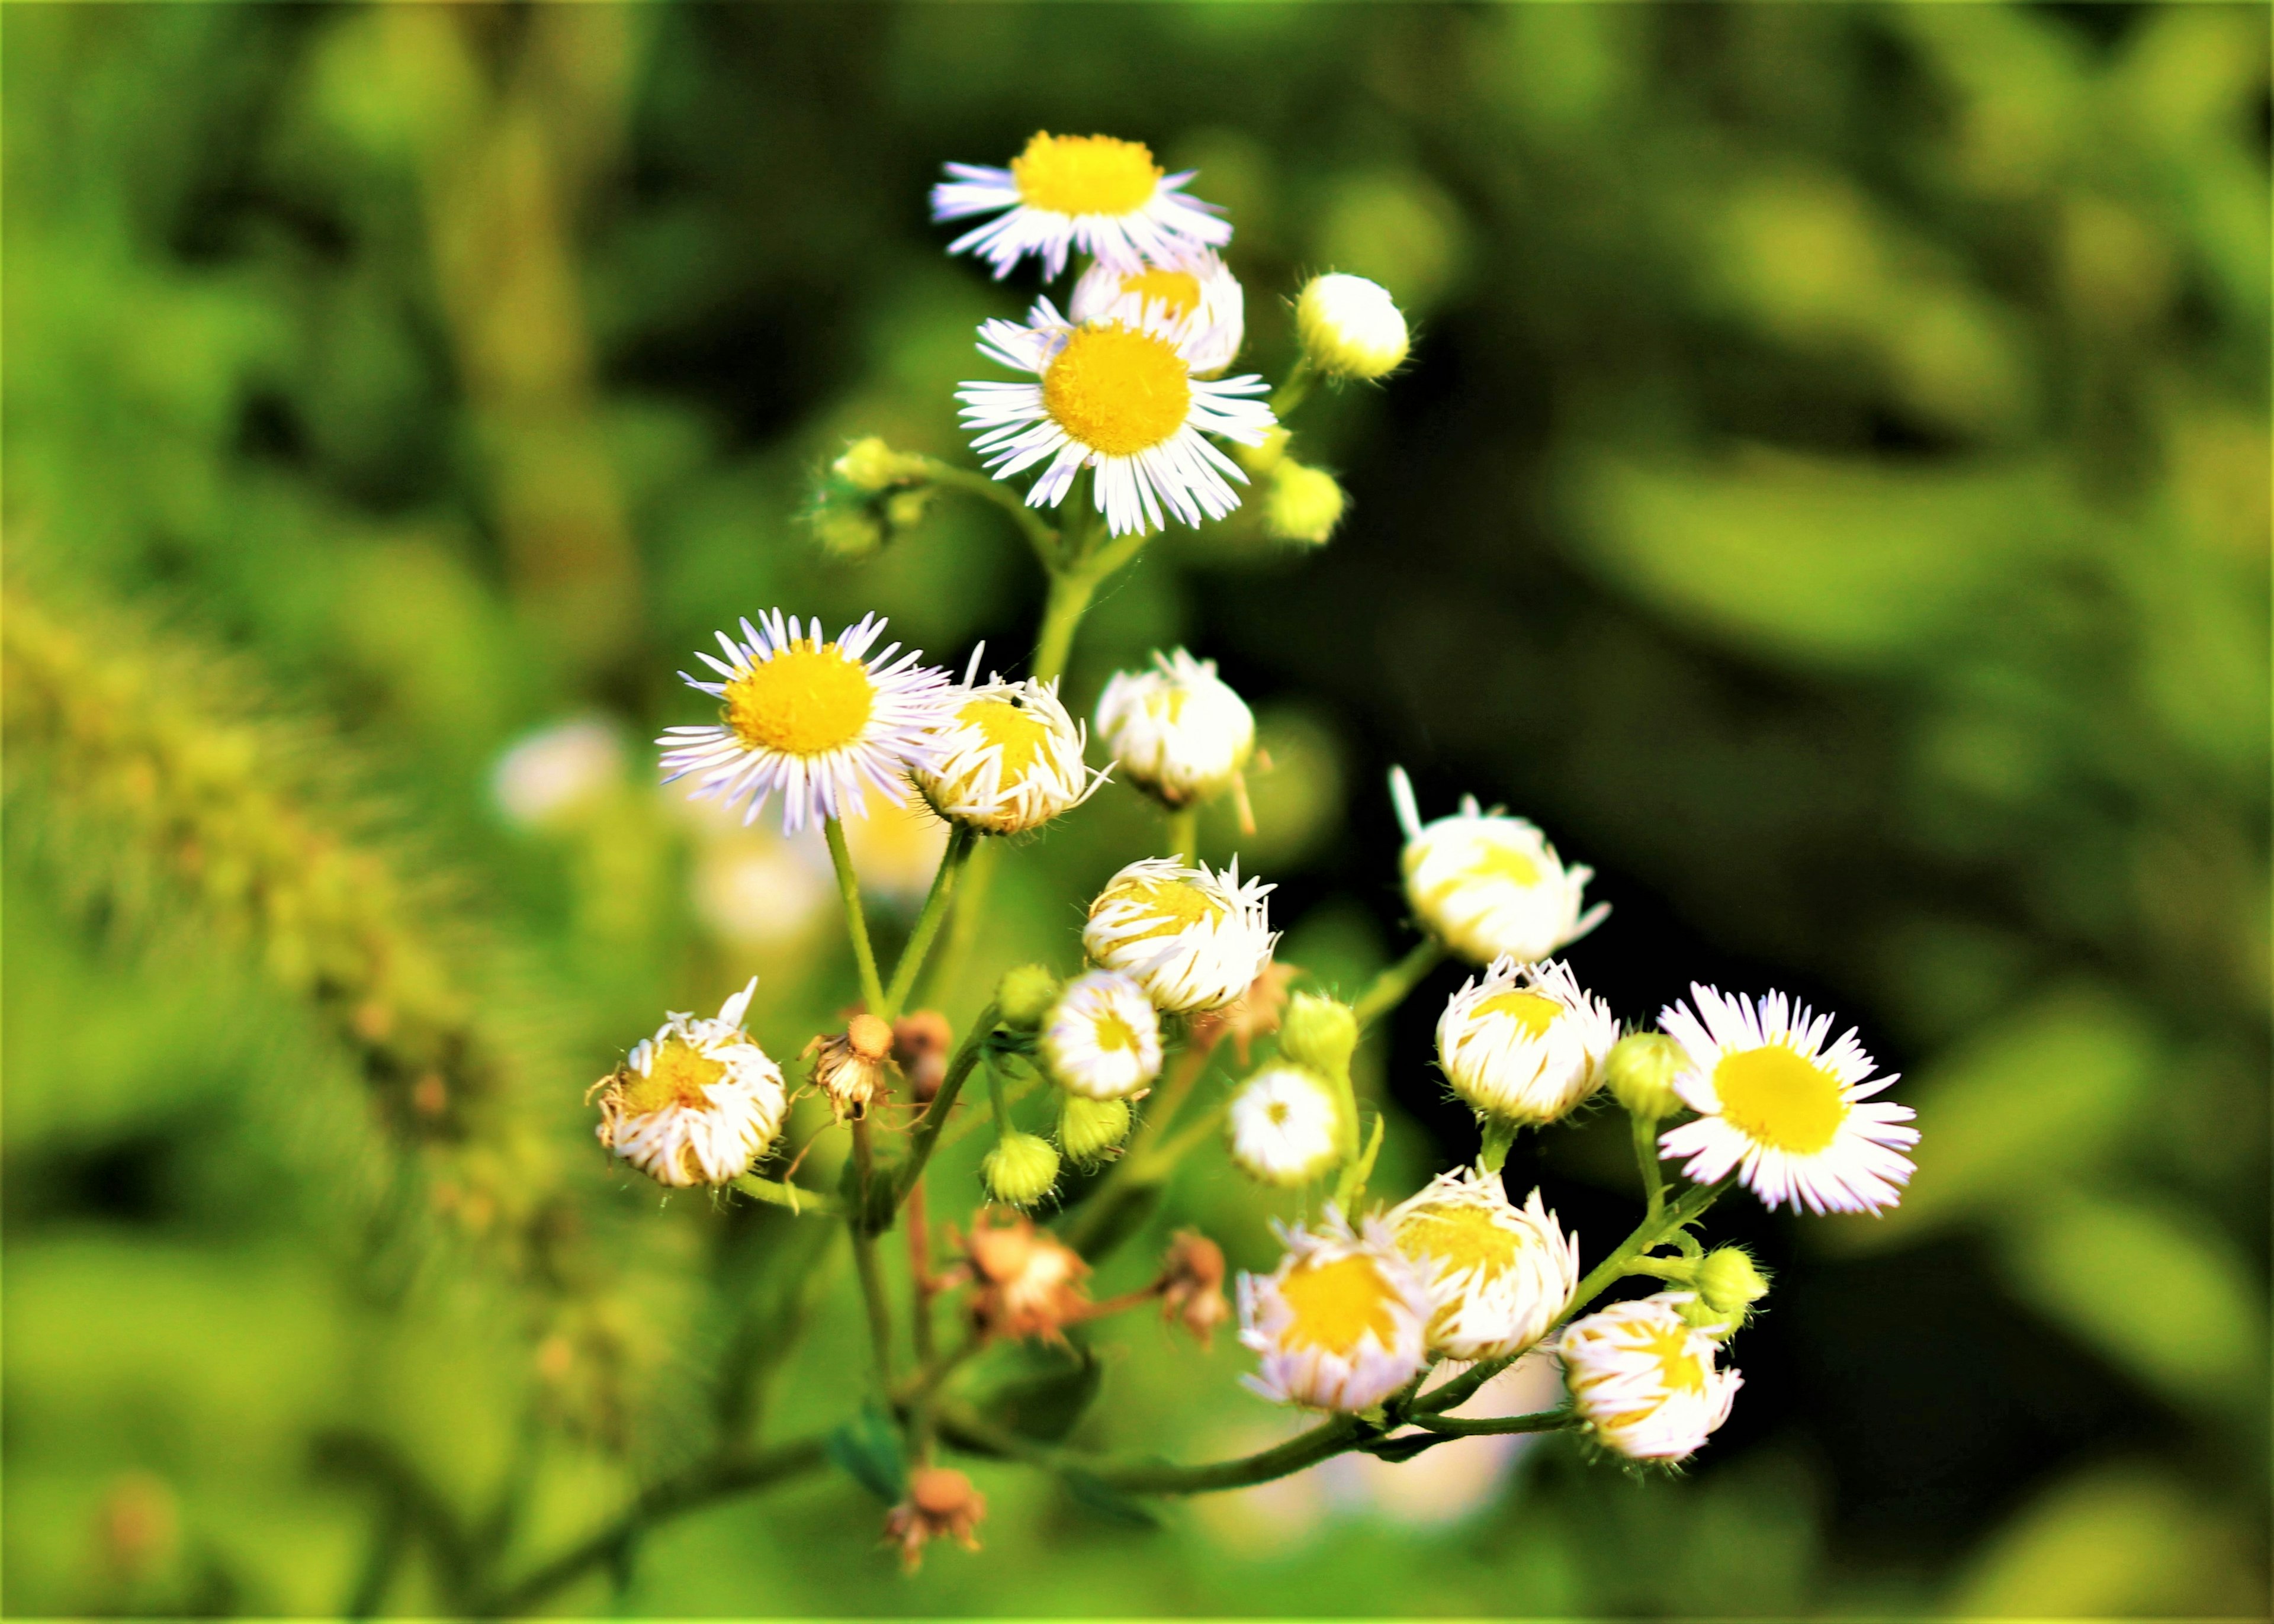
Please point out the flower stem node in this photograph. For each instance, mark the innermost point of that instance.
(1350, 327)
(1024, 995)
(1640, 1070)
(1027, 1282)
(1089, 1131)
(1320, 1033)
(1021, 1170)
(1301, 503)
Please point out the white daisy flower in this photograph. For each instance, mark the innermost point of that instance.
(1644, 1381)
(1350, 327)
(821, 722)
(1119, 396)
(1524, 1043)
(1285, 1127)
(1006, 757)
(698, 1103)
(1200, 293)
(1179, 731)
(1502, 1273)
(1489, 885)
(1795, 1117)
(1194, 937)
(1340, 1323)
(1105, 197)
(1102, 1039)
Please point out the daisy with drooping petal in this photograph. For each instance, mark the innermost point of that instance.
(1489, 885)
(1006, 758)
(1644, 1379)
(1285, 1127)
(1102, 1039)
(821, 722)
(1794, 1117)
(1340, 1323)
(1179, 731)
(1502, 1273)
(1105, 197)
(1524, 1043)
(1195, 938)
(1119, 396)
(1203, 295)
(698, 1103)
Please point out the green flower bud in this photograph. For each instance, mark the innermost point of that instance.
(1640, 1069)
(903, 510)
(1021, 1171)
(1319, 1032)
(1024, 995)
(1089, 1128)
(871, 464)
(1301, 504)
(848, 532)
(1729, 1281)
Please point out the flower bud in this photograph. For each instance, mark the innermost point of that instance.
(1301, 503)
(1024, 996)
(870, 464)
(1350, 327)
(848, 532)
(1641, 1069)
(903, 510)
(941, 1505)
(1021, 1171)
(1729, 1281)
(1089, 1130)
(1319, 1032)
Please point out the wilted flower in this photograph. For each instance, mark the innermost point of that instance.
(1340, 1323)
(1192, 1285)
(921, 1042)
(1026, 1280)
(1645, 1381)
(698, 1103)
(941, 1504)
(1195, 938)
(1254, 1014)
(854, 1068)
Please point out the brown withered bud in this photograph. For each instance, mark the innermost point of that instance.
(941, 1504)
(1192, 1285)
(854, 1067)
(921, 1042)
(1026, 1281)
(138, 1525)
(1252, 1015)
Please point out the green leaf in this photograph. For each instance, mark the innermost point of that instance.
(1044, 1391)
(1095, 1494)
(868, 1448)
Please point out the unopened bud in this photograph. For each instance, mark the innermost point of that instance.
(1729, 1281)
(1641, 1069)
(1301, 504)
(1350, 327)
(905, 509)
(848, 532)
(1319, 1032)
(870, 464)
(1089, 1128)
(1024, 996)
(1021, 1171)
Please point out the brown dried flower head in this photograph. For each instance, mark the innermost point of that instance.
(1026, 1282)
(1254, 1014)
(941, 1503)
(854, 1067)
(921, 1042)
(1192, 1285)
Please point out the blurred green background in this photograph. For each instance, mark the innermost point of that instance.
(1830, 496)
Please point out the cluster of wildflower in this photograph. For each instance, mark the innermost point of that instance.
(1126, 387)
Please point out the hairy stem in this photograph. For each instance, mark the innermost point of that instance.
(1328, 1438)
(864, 1259)
(1038, 532)
(1653, 1180)
(1486, 1426)
(1389, 988)
(781, 1193)
(936, 906)
(1185, 834)
(924, 1137)
(856, 923)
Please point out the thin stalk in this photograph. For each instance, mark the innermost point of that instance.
(937, 905)
(1328, 1438)
(1486, 1427)
(781, 1193)
(864, 1259)
(1653, 1180)
(1070, 593)
(920, 1286)
(997, 1104)
(1389, 988)
(1185, 834)
(1039, 533)
(924, 1137)
(856, 923)
(1292, 388)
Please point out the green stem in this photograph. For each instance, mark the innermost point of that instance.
(1653, 1179)
(864, 1259)
(1070, 593)
(1486, 1426)
(856, 923)
(1292, 388)
(924, 1137)
(1038, 532)
(1328, 1438)
(1185, 834)
(781, 1193)
(1389, 988)
(997, 1104)
(936, 907)
(965, 919)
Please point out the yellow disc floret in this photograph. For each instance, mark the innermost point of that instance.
(677, 1074)
(1085, 174)
(806, 701)
(1775, 1097)
(1336, 1303)
(1117, 390)
(1528, 1009)
(1022, 736)
(1179, 290)
(1173, 905)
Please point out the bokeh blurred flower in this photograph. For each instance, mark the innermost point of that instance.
(1102, 1039)
(1092, 192)
(1201, 294)
(1194, 937)
(1119, 396)
(1005, 758)
(545, 777)
(1285, 1127)
(1340, 1323)
(1190, 1285)
(941, 1504)
(1644, 1381)
(820, 722)
(1255, 1013)
(1488, 885)
(854, 1068)
(1178, 731)
(1524, 1044)
(1026, 1281)
(1301, 503)
(1502, 1273)
(1350, 327)
(698, 1103)
(1792, 1117)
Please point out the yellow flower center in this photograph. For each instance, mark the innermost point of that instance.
(1528, 1009)
(677, 1073)
(1021, 735)
(1117, 390)
(1503, 862)
(807, 700)
(1774, 1097)
(1335, 1304)
(1085, 174)
(1114, 1034)
(1176, 905)
(1678, 1368)
(1179, 290)
(1458, 1239)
